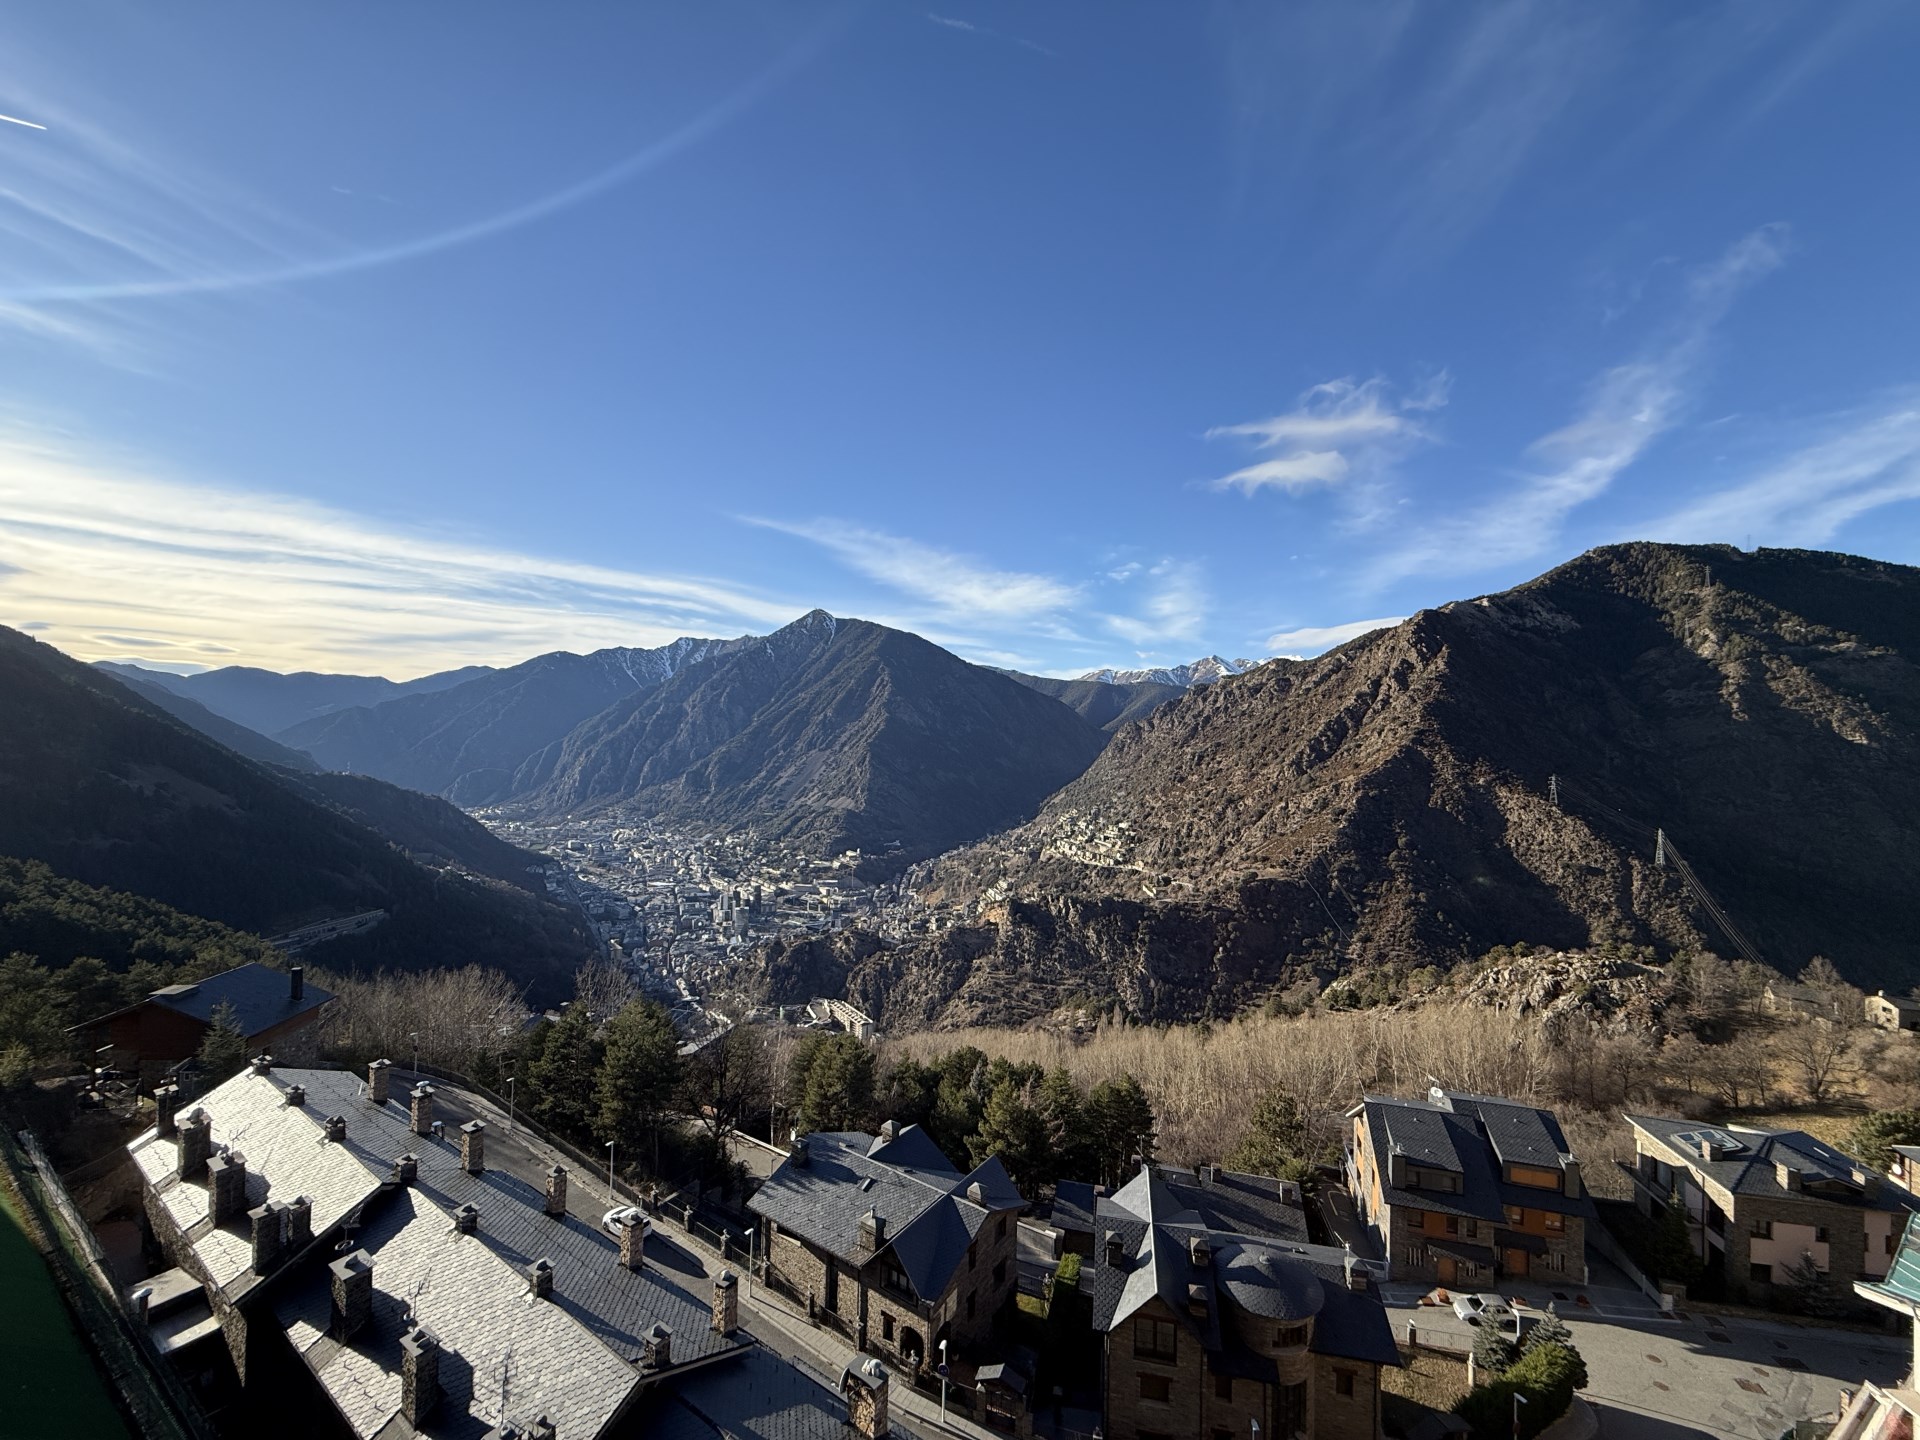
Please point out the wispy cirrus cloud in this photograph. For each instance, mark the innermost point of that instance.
(1627, 409)
(115, 562)
(1865, 460)
(957, 585)
(1312, 639)
(1173, 609)
(1345, 432)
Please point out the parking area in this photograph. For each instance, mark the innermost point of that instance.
(1654, 1376)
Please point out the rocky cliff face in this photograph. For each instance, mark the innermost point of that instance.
(1393, 801)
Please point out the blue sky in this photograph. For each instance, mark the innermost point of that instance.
(389, 338)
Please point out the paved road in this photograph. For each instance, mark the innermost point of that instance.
(1662, 1377)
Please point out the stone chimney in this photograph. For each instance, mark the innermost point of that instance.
(196, 1144)
(1199, 1252)
(633, 1236)
(1787, 1173)
(419, 1375)
(557, 1190)
(299, 1224)
(797, 1152)
(296, 983)
(406, 1169)
(1396, 1168)
(267, 1226)
(296, 1096)
(977, 1193)
(1114, 1255)
(873, 1229)
(1356, 1273)
(352, 1277)
(466, 1220)
(656, 1351)
(226, 1186)
(540, 1278)
(262, 1064)
(1571, 1182)
(166, 1105)
(1868, 1182)
(864, 1387)
(889, 1131)
(377, 1081)
(726, 1304)
(473, 1147)
(337, 1129)
(422, 1107)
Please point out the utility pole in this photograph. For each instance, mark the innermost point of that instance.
(1660, 847)
(1553, 790)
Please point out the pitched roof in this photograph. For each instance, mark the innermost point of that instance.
(261, 996)
(595, 1323)
(929, 1217)
(1474, 1137)
(757, 1398)
(1273, 1276)
(1753, 1167)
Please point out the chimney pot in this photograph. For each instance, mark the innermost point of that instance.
(262, 1063)
(977, 1193)
(296, 1095)
(657, 1349)
(633, 1239)
(377, 1081)
(337, 1129)
(166, 1106)
(406, 1169)
(299, 1224)
(726, 1304)
(267, 1225)
(1199, 1252)
(422, 1108)
(196, 1144)
(419, 1375)
(227, 1186)
(473, 1142)
(466, 1219)
(296, 982)
(540, 1278)
(352, 1277)
(797, 1152)
(557, 1190)
(873, 1229)
(1115, 1252)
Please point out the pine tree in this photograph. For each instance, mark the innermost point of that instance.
(1873, 1136)
(1549, 1330)
(1063, 1109)
(1121, 1121)
(1013, 1129)
(223, 1050)
(835, 1084)
(1276, 1140)
(1494, 1350)
(561, 1076)
(639, 1076)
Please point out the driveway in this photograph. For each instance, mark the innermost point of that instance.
(1662, 1377)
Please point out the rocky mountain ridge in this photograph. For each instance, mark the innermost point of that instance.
(1203, 671)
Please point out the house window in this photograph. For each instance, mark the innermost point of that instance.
(1003, 1227)
(1453, 1224)
(1556, 1260)
(1289, 1335)
(1290, 1414)
(970, 1300)
(832, 1297)
(1157, 1388)
(1515, 1215)
(886, 1326)
(1154, 1339)
(1819, 1234)
(1890, 1242)
(1763, 1229)
(1556, 1221)
(999, 1271)
(1760, 1274)
(1223, 1387)
(1416, 1219)
(1343, 1382)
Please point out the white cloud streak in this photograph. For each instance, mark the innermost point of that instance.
(1342, 430)
(103, 555)
(1867, 460)
(1627, 409)
(1312, 639)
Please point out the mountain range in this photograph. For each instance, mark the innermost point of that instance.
(110, 790)
(1200, 672)
(267, 701)
(1668, 746)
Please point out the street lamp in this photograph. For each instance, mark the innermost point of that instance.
(612, 1195)
(943, 1382)
(414, 1035)
(1518, 1401)
(510, 1080)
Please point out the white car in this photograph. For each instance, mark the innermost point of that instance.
(621, 1216)
(1490, 1308)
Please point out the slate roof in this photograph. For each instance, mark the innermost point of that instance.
(929, 1219)
(756, 1398)
(262, 996)
(1752, 1169)
(408, 1231)
(1073, 1205)
(1474, 1137)
(1272, 1276)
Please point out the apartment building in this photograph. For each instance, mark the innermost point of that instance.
(1459, 1189)
(1759, 1203)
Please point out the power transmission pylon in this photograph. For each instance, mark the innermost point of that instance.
(1553, 790)
(1660, 847)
